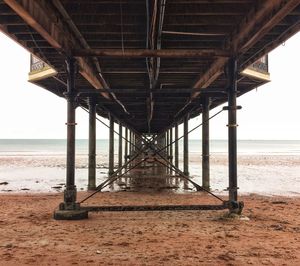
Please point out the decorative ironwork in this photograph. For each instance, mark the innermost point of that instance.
(37, 64)
(261, 65)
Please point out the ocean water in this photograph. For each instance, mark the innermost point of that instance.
(270, 167)
(58, 147)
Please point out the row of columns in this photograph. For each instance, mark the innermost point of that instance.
(169, 142)
(92, 145)
(205, 145)
(70, 191)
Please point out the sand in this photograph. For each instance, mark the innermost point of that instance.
(261, 174)
(269, 235)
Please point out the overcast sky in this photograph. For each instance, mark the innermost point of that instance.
(270, 112)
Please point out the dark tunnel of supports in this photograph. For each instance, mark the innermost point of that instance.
(70, 204)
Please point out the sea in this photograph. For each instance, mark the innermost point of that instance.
(26, 147)
(269, 167)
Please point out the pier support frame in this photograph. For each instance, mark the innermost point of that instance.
(236, 207)
(186, 145)
(168, 147)
(176, 146)
(92, 144)
(120, 152)
(205, 145)
(70, 209)
(126, 146)
(111, 146)
(171, 148)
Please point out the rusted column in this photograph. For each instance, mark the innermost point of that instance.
(186, 146)
(120, 153)
(131, 142)
(205, 144)
(160, 169)
(130, 146)
(232, 129)
(171, 147)
(168, 148)
(111, 146)
(126, 145)
(176, 146)
(70, 209)
(70, 191)
(92, 144)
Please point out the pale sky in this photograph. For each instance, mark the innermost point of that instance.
(270, 112)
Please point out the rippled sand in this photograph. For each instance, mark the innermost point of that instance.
(270, 234)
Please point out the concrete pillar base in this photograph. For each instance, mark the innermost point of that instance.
(70, 214)
(235, 207)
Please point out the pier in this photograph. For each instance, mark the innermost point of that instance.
(150, 67)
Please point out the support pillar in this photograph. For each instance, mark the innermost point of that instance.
(92, 145)
(120, 153)
(160, 169)
(111, 146)
(130, 146)
(168, 147)
(235, 206)
(130, 143)
(171, 148)
(176, 146)
(70, 209)
(186, 146)
(126, 146)
(205, 144)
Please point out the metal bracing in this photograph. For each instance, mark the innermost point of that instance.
(167, 164)
(142, 145)
(156, 208)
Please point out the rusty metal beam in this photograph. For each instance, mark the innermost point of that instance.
(40, 16)
(141, 53)
(154, 208)
(255, 25)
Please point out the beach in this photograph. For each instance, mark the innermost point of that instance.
(269, 174)
(267, 234)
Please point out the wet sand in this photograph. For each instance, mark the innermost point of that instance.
(261, 174)
(29, 235)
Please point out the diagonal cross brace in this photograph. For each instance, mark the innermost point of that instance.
(112, 179)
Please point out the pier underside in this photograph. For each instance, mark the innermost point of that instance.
(149, 66)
